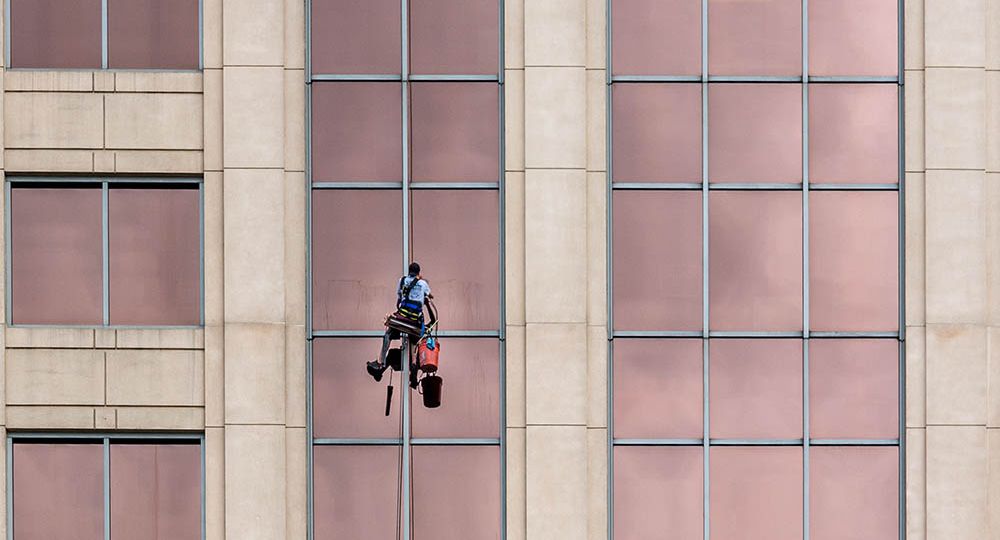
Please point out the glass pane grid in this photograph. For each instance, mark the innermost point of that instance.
(193, 312)
(708, 334)
(420, 68)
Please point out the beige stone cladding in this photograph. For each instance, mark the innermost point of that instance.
(952, 107)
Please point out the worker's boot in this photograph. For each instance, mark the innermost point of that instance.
(376, 369)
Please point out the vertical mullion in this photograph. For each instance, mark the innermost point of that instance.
(105, 262)
(201, 250)
(405, 457)
(805, 271)
(6, 32)
(104, 34)
(705, 384)
(107, 488)
(901, 246)
(609, 267)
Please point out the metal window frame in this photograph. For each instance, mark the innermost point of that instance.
(405, 186)
(106, 439)
(104, 183)
(104, 45)
(706, 335)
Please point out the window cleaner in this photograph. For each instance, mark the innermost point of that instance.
(413, 295)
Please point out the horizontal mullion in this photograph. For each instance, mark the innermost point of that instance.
(455, 442)
(756, 442)
(854, 187)
(854, 79)
(747, 334)
(662, 186)
(379, 333)
(656, 78)
(753, 334)
(854, 442)
(358, 442)
(358, 77)
(395, 77)
(755, 186)
(657, 334)
(454, 185)
(103, 179)
(747, 186)
(97, 436)
(658, 442)
(454, 78)
(835, 335)
(357, 185)
(107, 327)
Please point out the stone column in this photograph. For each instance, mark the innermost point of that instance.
(556, 268)
(953, 230)
(254, 318)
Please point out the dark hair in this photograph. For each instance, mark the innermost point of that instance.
(414, 269)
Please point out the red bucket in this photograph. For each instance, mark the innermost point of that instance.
(427, 355)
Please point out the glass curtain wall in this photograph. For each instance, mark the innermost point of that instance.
(755, 231)
(405, 128)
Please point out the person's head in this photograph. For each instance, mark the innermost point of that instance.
(414, 269)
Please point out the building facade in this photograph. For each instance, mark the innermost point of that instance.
(705, 268)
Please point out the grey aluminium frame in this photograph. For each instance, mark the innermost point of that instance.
(106, 439)
(104, 43)
(807, 334)
(105, 183)
(406, 440)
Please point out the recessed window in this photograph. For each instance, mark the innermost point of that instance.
(105, 253)
(95, 34)
(67, 487)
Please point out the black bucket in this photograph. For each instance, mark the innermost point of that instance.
(431, 387)
(395, 359)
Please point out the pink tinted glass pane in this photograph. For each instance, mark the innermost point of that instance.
(657, 132)
(357, 132)
(854, 493)
(755, 133)
(153, 34)
(658, 486)
(854, 260)
(455, 135)
(156, 491)
(756, 493)
(346, 403)
(58, 491)
(55, 33)
(456, 239)
(355, 36)
(154, 253)
(658, 388)
(456, 492)
(355, 491)
(755, 37)
(56, 256)
(470, 404)
(853, 37)
(454, 37)
(854, 389)
(656, 37)
(657, 260)
(356, 265)
(756, 388)
(853, 133)
(755, 261)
